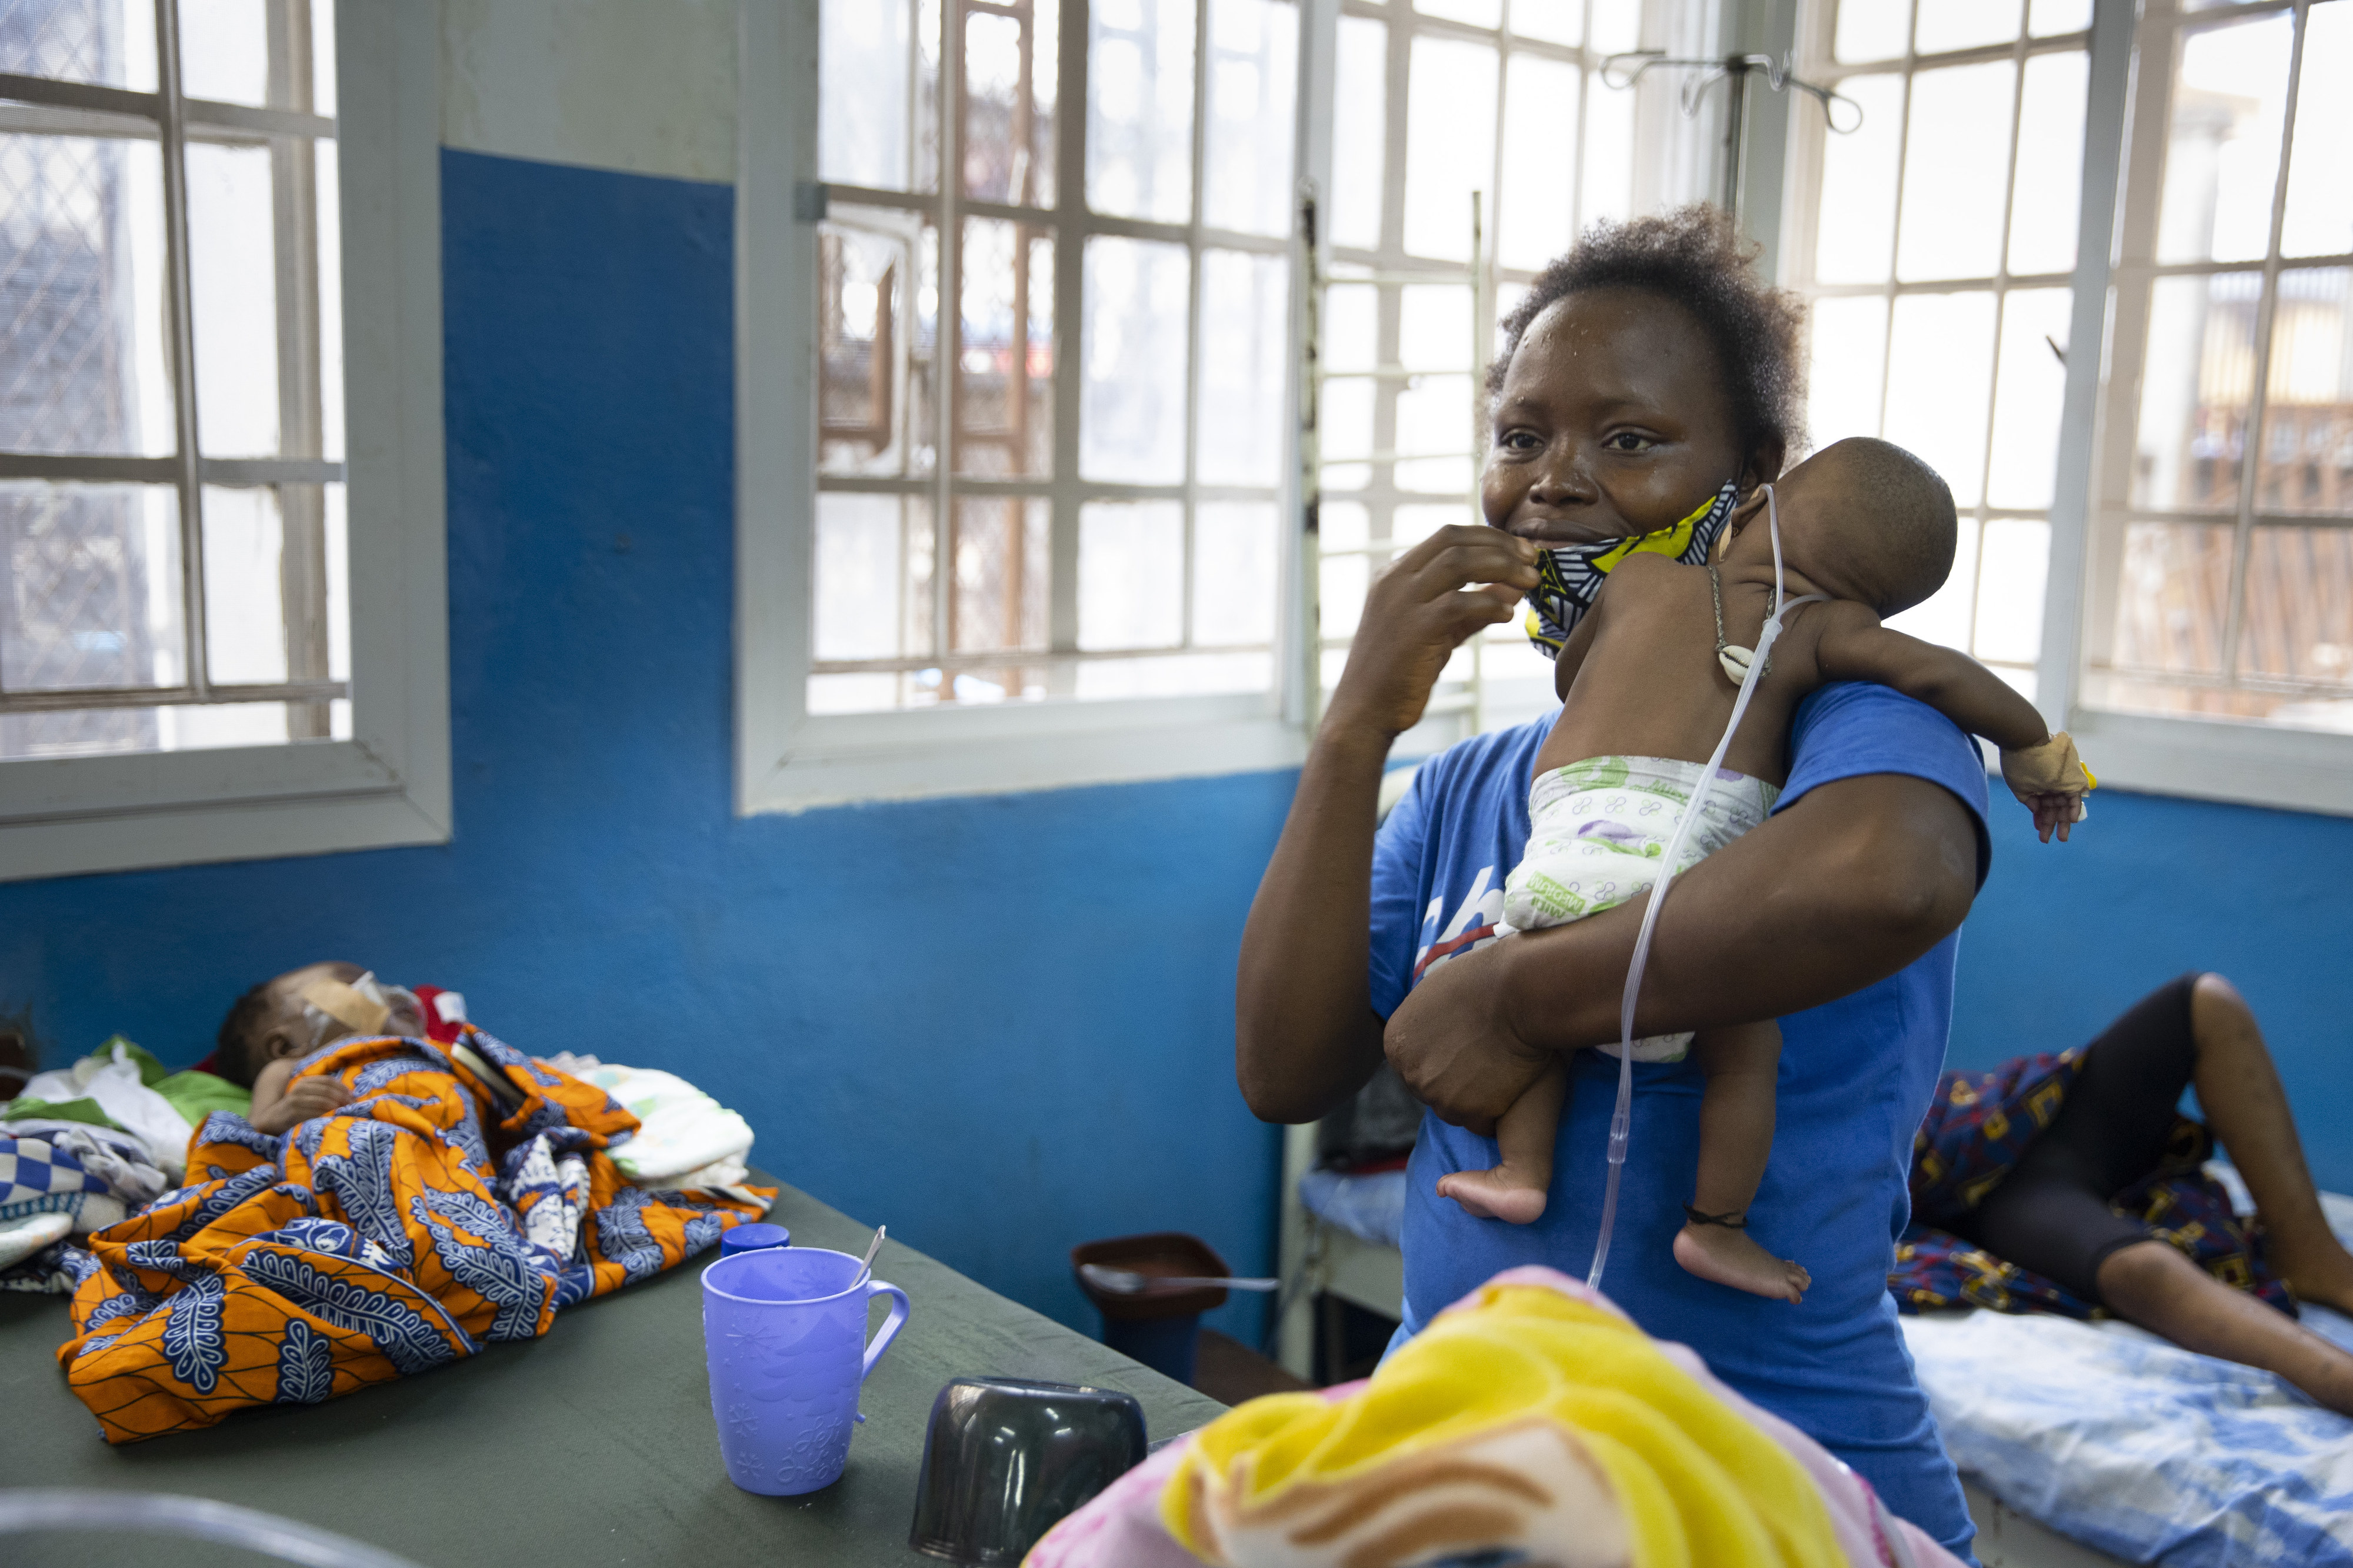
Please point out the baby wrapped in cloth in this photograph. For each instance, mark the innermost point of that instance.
(1530, 1423)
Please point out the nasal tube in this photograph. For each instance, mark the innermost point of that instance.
(1622, 1119)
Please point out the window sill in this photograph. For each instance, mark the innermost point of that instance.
(2208, 759)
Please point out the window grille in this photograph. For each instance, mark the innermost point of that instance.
(1053, 281)
(1502, 101)
(171, 422)
(1936, 245)
(2218, 563)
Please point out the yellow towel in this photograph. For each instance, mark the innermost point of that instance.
(1524, 1418)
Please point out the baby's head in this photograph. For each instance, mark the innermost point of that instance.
(1864, 519)
(303, 1009)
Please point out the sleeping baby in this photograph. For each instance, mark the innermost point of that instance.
(278, 1023)
(1649, 677)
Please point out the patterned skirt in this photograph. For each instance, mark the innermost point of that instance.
(1976, 1131)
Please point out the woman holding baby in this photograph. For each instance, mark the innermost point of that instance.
(1650, 380)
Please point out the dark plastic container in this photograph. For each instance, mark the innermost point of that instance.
(1161, 1329)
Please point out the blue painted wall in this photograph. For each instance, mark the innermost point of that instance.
(1001, 1025)
(2065, 937)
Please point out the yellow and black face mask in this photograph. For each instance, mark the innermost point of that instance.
(1570, 576)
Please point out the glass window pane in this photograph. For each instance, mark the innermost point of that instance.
(1005, 368)
(1955, 170)
(1360, 134)
(2044, 206)
(1140, 108)
(1617, 26)
(1234, 573)
(323, 75)
(1555, 21)
(1608, 172)
(1478, 13)
(1947, 616)
(2319, 220)
(866, 123)
(1435, 414)
(2221, 158)
(1009, 129)
(92, 587)
(1344, 431)
(330, 237)
(1350, 318)
(232, 275)
(2173, 598)
(1245, 352)
(1131, 383)
(1964, 25)
(1871, 29)
(2032, 381)
(1131, 574)
(1850, 353)
(109, 42)
(1450, 148)
(1539, 215)
(878, 327)
(1000, 574)
(1342, 603)
(244, 601)
(83, 358)
(2196, 382)
(2013, 564)
(1253, 79)
(2306, 463)
(2049, 19)
(1855, 225)
(225, 50)
(337, 539)
(1939, 373)
(1434, 327)
(872, 581)
(2299, 614)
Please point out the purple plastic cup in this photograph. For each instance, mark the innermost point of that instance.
(784, 1332)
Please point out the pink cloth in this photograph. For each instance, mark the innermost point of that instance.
(1121, 1527)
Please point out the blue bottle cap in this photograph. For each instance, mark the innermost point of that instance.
(752, 1237)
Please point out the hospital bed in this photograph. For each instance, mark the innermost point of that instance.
(2079, 1443)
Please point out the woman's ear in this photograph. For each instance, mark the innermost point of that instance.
(1750, 508)
(1764, 465)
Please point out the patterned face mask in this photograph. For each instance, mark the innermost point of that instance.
(1569, 576)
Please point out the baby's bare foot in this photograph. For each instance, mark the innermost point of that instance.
(1498, 1193)
(1728, 1256)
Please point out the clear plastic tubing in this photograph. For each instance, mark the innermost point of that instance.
(1622, 1119)
(61, 1508)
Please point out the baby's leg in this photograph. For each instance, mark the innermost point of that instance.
(1736, 1139)
(1514, 1190)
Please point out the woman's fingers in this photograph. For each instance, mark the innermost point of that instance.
(1460, 554)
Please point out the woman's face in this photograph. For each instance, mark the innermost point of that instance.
(1612, 421)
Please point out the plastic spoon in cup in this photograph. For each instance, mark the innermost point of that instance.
(1127, 1282)
(866, 1265)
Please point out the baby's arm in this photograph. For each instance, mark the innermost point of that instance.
(2042, 768)
(277, 1108)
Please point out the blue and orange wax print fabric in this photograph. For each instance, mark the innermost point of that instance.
(1977, 1128)
(406, 1230)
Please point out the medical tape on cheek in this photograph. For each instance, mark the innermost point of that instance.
(355, 1011)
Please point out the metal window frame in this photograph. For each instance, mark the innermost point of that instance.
(1463, 702)
(790, 760)
(2218, 758)
(1809, 141)
(54, 107)
(389, 782)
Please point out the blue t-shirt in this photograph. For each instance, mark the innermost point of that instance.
(1855, 1079)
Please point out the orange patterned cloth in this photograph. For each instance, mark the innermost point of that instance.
(404, 1231)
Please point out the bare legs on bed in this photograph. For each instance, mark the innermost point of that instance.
(2150, 1284)
(2240, 1091)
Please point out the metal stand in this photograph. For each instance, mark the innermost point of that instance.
(1736, 70)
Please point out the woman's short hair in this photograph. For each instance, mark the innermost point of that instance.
(1695, 257)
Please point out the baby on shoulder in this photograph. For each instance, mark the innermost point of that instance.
(1648, 679)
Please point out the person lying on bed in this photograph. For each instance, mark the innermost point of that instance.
(272, 1027)
(2072, 1184)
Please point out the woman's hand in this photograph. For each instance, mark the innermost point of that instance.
(1416, 614)
(1451, 1042)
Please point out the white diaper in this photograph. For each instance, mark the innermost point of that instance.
(1597, 836)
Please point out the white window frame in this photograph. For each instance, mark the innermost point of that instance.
(790, 760)
(2210, 759)
(389, 782)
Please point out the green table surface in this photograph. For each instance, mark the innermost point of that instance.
(594, 1445)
